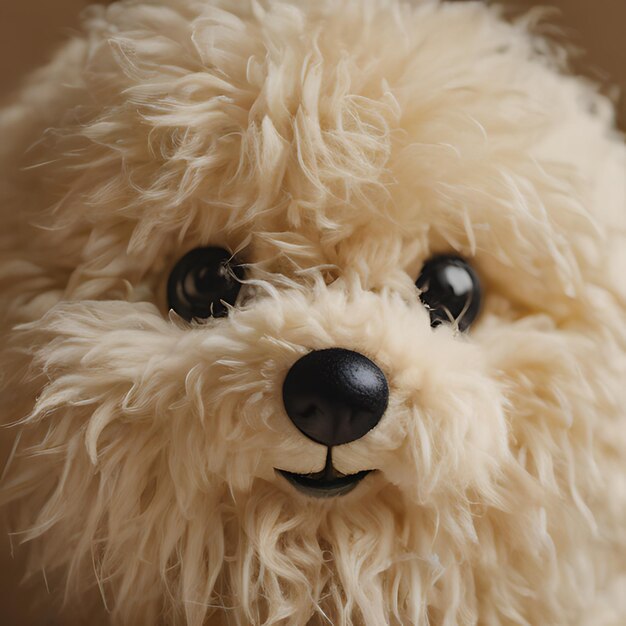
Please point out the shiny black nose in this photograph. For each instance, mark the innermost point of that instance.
(335, 396)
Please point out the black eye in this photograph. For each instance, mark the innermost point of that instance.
(201, 280)
(450, 290)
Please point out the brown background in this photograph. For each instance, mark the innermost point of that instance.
(30, 28)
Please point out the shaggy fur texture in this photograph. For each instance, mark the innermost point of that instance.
(335, 146)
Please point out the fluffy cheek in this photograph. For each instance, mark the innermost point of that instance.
(193, 407)
(445, 431)
(564, 390)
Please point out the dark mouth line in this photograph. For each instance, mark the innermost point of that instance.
(327, 483)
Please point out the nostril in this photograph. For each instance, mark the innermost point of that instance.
(335, 396)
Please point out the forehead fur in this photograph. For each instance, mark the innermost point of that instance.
(299, 125)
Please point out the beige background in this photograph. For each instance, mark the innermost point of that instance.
(30, 28)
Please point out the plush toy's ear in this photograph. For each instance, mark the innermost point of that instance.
(596, 154)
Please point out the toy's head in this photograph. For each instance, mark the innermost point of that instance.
(312, 314)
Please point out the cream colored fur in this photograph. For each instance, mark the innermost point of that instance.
(334, 145)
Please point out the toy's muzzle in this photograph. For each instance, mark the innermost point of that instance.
(335, 396)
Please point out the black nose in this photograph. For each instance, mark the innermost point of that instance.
(335, 396)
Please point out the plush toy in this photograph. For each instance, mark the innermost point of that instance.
(313, 312)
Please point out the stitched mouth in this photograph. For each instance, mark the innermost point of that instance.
(325, 484)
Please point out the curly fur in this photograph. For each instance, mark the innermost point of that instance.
(334, 146)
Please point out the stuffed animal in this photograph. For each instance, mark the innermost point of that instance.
(313, 312)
